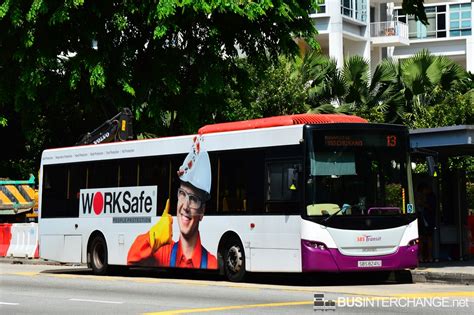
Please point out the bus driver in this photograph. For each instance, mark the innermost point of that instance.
(157, 248)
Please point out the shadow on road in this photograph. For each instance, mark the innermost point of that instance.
(286, 279)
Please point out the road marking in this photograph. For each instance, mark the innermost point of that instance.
(280, 304)
(26, 273)
(95, 301)
(230, 307)
(7, 303)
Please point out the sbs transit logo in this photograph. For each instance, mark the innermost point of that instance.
(123, 201)
(368, 238)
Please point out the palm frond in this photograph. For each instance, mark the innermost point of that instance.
(323, 109)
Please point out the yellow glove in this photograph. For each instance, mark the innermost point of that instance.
(162, 232)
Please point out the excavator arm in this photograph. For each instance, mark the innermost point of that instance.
(118, 128)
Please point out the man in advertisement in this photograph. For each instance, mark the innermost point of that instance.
(156, 247)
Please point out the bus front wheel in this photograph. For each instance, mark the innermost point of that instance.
(98, 256)
(234, 260)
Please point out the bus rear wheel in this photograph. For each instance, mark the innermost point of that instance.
(234, 260)
(98, 255)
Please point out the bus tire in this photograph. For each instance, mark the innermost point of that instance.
(234, 260)
(98, 255)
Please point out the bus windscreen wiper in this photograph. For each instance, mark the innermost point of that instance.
(343, 209)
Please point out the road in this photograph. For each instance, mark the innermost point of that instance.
(49, 289)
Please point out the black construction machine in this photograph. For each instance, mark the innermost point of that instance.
(118, 128)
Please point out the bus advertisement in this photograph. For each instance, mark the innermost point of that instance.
(298, 193)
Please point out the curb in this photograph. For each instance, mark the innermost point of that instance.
(442, 277)
(29, 261)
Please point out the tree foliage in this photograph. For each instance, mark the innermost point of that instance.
(352, 89)
(422, 91)
(276, 90)
(161, 57)
(430, 86)
(66, 66)
(416, 8)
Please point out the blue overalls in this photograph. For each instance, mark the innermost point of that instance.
(174, 253)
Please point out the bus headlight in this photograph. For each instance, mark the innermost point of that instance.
(314, 244)
(413, 242)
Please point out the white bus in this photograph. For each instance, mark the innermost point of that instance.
(299, 193)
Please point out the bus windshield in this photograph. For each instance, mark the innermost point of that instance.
(357, 172)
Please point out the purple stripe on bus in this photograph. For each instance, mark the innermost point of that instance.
(331, 260)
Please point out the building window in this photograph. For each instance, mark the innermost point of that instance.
(400, 15)
(460, 19)
(436, 28)
(322, 7)
(356, 9)
(346, 8)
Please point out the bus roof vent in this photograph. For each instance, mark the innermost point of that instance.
(277, 121)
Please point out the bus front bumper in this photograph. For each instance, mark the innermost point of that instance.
(320, 258)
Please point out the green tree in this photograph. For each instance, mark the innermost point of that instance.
(371, 96)
(429, 84)
(66, 66)
(351, 89)
(420, 91)
(324, 82)
(416, 8)
(276, 90)
(438, 93)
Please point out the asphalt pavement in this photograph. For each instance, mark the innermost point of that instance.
(58, 289)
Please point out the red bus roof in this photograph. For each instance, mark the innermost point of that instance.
(277, 121)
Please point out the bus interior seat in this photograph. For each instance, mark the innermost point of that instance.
(322, 209)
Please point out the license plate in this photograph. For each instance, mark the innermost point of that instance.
(369, 263)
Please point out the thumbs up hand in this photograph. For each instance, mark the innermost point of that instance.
(162, 232)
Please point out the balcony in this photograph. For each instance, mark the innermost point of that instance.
(390, 33)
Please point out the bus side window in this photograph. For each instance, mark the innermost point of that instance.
(211, 205)
(128, 173)
(103, 174)
(241, 181)
(282, 186)
(54, 204)
(154, 171)
(77, 174)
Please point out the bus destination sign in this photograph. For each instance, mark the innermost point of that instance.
(364, 140)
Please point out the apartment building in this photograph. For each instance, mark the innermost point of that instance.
(376, 29)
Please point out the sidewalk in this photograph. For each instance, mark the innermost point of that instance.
(449, 272)
(452, 272)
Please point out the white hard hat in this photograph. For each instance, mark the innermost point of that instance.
(196, 168)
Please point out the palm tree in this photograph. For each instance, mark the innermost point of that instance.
(374, 97)
(408, 92)
(426, 81)
(352, 90)
(324, 83)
